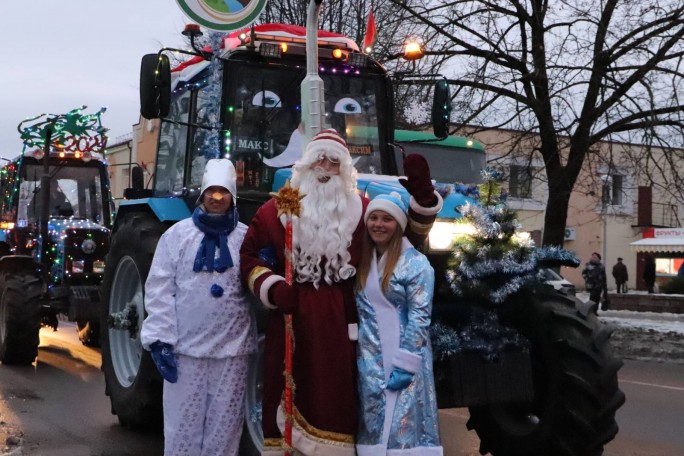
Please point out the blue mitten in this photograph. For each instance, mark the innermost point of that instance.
(399, 379)
(164, 360)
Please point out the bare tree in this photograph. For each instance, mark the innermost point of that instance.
(567, 74)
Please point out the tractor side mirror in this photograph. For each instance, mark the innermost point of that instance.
(155, 86)
(441, 109)
(137, 189)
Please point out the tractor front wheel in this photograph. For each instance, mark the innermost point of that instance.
(576, 392)
(131, 380)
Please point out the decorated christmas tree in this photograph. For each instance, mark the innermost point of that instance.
(490, 269)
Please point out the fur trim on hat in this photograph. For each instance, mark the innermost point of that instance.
(329, 143)
(392, 204)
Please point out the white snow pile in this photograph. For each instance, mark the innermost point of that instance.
(645, 336)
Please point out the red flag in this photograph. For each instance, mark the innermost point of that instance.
(369, 39)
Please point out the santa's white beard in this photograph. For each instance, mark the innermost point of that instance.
(323, 231)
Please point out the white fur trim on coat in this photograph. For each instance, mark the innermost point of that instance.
(427, 210)
(310, 445)
(380, 450)
(353, 331)
(406, 360)
(417, 451)
(265, 286)
(371, 450)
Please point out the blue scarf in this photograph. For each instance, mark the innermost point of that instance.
(216, 228)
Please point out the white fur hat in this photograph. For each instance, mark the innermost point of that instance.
(392, 204)
(328, 142)
(219, 172)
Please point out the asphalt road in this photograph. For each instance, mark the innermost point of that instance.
(58, 407)
(651, 421)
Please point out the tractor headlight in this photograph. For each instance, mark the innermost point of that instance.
(444, 233)
(77, 266)
(98, 266)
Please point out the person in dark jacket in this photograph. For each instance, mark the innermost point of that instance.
(621, 276)
(649, 272)
(594, 274)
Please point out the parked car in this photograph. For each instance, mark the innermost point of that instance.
(557, 281)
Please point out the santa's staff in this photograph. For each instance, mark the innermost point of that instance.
(287, 202)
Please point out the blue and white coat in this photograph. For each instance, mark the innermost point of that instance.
(393, 332)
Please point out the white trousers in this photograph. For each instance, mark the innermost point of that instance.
(204, 410)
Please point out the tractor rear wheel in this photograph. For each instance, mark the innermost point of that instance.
(576, 392)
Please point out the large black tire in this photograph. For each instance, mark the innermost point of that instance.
(19, 318)
(131, 379)
(89, 333)
(252, 440)
(576, 392)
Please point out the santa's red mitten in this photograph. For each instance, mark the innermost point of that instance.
(285, 297)
(418, 182)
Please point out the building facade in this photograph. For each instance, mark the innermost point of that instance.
(625, 193)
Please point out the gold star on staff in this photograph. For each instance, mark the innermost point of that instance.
(287, 200)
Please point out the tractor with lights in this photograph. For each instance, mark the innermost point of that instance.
(254, 96)
(55, 215)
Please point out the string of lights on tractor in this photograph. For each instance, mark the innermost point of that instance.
(269, 43)
(73, 133)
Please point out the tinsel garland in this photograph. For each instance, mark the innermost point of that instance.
(483, 335)
(211, 148)
(489, 267)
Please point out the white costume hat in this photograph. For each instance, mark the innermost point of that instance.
(392, 204)
(219, 172)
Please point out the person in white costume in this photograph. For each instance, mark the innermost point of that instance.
(200, 328)
(395, 282)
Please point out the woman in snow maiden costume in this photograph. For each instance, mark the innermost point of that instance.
(199, 326)
(395, 284)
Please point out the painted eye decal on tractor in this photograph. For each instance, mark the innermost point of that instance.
(348, 106)
(267, 99)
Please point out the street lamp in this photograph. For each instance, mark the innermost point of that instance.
(606, 187)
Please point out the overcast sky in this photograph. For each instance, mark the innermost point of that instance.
(60, 55)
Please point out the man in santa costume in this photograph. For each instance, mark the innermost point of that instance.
(327, 239)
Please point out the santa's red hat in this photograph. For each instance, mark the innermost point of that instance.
(326, 142)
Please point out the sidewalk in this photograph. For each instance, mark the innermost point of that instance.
(646, 321)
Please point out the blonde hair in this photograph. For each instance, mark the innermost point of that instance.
(393, 253)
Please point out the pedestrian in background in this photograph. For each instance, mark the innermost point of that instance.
(649, 272)
(621, 276)
(200, 328)
(594, 274)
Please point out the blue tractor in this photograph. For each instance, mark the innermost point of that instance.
(240, 98)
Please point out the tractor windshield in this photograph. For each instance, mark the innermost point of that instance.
(267, 126)
(75, 191)
(263, 128)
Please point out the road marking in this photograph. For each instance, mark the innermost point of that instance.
(674, 388)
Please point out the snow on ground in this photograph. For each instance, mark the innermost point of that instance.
(645, 336)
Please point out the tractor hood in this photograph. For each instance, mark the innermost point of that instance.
(371, 185)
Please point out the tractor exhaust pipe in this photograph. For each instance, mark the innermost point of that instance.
(313, 103)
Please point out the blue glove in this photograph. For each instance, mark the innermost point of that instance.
(164, 360)
(399, 379)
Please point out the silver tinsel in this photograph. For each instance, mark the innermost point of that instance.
(211, 148)
(484, 335)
